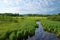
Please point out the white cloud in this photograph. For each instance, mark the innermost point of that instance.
(6, 1)
(18, 1)
(27, 6)
(10, 10)
(9, 2)
(46, 2)
(6, 6)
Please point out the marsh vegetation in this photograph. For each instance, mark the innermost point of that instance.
(19, 27)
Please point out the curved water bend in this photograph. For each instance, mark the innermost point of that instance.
(40, 34)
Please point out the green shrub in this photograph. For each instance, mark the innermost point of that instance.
(12, 36)
(20, 35)
(54, 18)
(4, 36)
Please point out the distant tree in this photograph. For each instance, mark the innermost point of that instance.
(58, 13)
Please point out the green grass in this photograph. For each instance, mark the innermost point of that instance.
(19, 28)
(51, 26)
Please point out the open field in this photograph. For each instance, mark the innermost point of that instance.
(19, 28)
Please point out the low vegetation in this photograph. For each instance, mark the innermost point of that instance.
(16, 28)
(19, 27)
(51, 24)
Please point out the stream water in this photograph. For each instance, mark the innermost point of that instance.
(40, 34)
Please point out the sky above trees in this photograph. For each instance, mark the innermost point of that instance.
(30, 6)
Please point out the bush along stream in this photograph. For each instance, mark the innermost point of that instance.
(40, 34)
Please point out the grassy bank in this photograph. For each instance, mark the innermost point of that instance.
(19, 28)
(51, 26)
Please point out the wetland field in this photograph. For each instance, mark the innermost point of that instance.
(19, 27)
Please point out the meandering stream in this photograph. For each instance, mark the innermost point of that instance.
(40, 34)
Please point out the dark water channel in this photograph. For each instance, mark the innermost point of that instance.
(40, 34)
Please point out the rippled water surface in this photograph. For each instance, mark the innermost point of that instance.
(40, 34)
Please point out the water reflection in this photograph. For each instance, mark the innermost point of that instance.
(40, 34)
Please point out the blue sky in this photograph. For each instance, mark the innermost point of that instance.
(30, 6)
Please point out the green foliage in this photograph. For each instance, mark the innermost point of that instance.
(12, 36)
(31, 32)
(58, 13)
(20, 34)
(4, 36)
(51, 26)
(54, 17)
(5, 18)
(19, 28)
